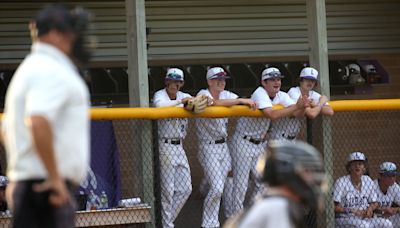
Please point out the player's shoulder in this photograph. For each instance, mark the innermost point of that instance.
(395, 188)
(343, 179)
(366, 178)
(182, 95)
(260, 91)
(282, 96)
(204, 92)
(160, 92)
(226, 94)
(294, 89)
(314, 95)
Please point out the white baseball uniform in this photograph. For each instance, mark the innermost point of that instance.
(248, 144)
(289, 127)
(215, 160)
(387, 199)
(348, 196)
(176, 183)
(270, 212)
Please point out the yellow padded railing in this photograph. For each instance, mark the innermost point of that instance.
(239, 110)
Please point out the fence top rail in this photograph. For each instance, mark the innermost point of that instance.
(235, 111)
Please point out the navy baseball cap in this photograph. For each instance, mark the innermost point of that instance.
(175, 74)
(388, 169)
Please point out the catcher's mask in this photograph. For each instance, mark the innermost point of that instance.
(299, 166)
(76, 21)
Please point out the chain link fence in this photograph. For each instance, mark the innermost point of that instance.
(199, 171)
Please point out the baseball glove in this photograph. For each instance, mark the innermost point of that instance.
(189, 105)
(200, 103)
(197, 104)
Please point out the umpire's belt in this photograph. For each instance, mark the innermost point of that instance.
(218, 141)
(253, 140)
(172, 141)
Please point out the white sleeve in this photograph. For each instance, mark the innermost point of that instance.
(396, 192)
(46, 96)
(160, 100)
(286, 101)
(338, 191)
(231, 95)
(204, 92)
(294, 93)
(186, 95)
(261, 98)
(373, 197)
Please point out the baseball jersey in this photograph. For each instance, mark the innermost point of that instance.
(173, 128)
(295, 94)
(47, 84)
(213, 128)
(271, 212)
(348, 196)
(257, 127)
(392, 195)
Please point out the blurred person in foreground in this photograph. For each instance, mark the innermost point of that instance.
(355, 198)
(294, 174)
(46, 121)
(388, 193)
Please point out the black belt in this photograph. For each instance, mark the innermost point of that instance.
(219, 141)
(172, 141)
(253, 140)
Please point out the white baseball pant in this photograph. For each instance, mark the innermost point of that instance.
(176, 183)
(395, 219)
(216, 162)
(245, 155)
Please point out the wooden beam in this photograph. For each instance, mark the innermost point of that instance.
(318, 55)
(137, 54)
(139, 97)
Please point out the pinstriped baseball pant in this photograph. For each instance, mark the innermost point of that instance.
(176, 183)
(216, 163)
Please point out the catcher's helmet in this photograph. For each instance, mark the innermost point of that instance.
(299, 166)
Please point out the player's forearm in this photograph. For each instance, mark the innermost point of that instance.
(42, 137)
(226, 102)
(340, 209)
(299, 113)
(373, 206)
(327, 110)
(313, 112)
(280, 113)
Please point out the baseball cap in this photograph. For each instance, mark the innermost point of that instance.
(271, 72)
(174, 74)
(356, 156)
(309, 73)
(216, 72)
(388, 169)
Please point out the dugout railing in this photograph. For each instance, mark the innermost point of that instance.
(126, 166)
